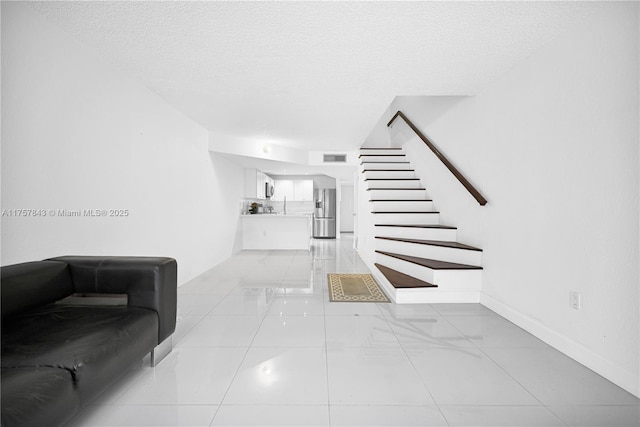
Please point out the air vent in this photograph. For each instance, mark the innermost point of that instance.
(335, 158)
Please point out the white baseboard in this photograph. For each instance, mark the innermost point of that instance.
(574, 350)
(436, 296)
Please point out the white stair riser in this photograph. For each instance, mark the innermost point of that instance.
(447, 280)
(461, 280)
(406, 218)
(460, 256)
(397, 158)
(418, 233)
(394, 183)
(389, 174)
(435, 296)
(397, 194)
(364, 151)
(394, 206)
(385, 165)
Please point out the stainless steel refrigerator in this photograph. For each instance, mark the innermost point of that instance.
(324, 214)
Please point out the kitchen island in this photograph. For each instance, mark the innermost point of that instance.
(276, 231)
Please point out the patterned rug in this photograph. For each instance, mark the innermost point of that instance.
(355, 288)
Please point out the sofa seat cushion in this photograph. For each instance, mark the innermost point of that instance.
(96, 344)
(37, 397)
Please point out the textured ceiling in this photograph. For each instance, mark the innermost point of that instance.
(310, 75)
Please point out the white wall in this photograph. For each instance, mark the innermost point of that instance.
(78, 134)
(255, 147)
(553, 146)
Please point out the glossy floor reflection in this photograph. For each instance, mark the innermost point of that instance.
(259, 344)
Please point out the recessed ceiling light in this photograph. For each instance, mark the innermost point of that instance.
(266, 149)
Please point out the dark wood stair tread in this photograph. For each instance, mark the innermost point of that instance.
(400, 280)
(405, 212)
(442, 243)
(392, 179)
(431, 263)
(446, 227)
(401, 200)
(388, 170)
(362, 163)
(381, 155)
(392, 188)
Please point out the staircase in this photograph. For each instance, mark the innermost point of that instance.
(417, 259)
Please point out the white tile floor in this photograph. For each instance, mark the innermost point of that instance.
(259, 344)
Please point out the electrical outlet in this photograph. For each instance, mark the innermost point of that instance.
(574, 300)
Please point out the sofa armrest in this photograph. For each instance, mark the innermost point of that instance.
(149, 282)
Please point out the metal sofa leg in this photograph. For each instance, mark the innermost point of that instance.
(161, 351)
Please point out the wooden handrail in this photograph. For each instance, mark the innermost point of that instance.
(470, 188)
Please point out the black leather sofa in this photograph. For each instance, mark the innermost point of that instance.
(63, 342)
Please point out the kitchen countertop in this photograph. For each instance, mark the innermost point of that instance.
(278, 215)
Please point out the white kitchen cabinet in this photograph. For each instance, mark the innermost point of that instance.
(294, 190)
(303, 190)
(254, 184)
(276, 231)
(283, 188)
